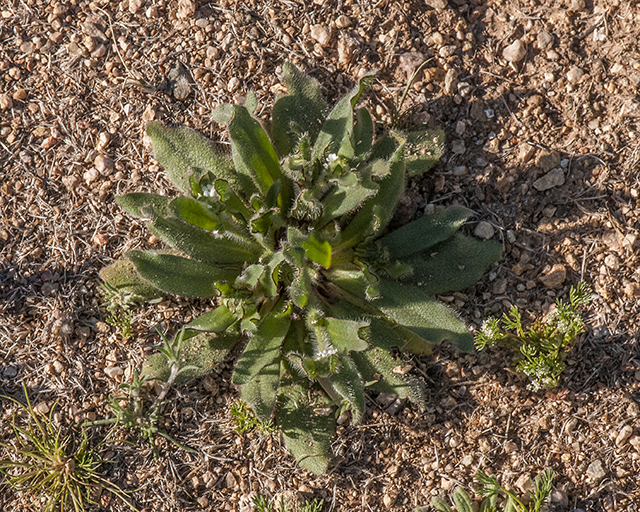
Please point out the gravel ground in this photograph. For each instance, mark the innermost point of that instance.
(540, 106)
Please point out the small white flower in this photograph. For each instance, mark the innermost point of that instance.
(332, 158)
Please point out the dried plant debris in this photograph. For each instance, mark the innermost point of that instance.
(78, 82)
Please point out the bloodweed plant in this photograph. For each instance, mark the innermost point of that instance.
(52, 467)
(540, 350)
(491, 491)
(287, 236)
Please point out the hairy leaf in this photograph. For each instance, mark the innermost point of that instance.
(216, 320)
(123, 276)
(143, 205)
(424, 149)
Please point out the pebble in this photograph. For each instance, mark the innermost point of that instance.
(624, 435)
(409, 62)
(515, 52)
(134, 6)
(5, 102)
(450, 82)
(632, 290)
(437, 4)
(526, 152)
(595, 471)
(559, 498)
(9, 372)
(446, 484)
(387, 501)
(91, 175)
(524, 483)
(113, 372)
(612, 261)
(447, 51)
(178, 81)
(484, 230)
(186, 9)
(555, 277)
(343, 21)
(103, 163)
(544, 40)
(635, 442)
(575, 74)
(231, 481)
(554, 178)
(321, 34)
(20, 94)
(42, 408)
(233, 84)
(458, 147)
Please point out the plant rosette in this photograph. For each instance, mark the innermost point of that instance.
(287, 235)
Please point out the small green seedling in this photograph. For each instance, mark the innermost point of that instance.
(263, 504)
(52, 467)
(245, 420)
(493, 493)
(540, 350)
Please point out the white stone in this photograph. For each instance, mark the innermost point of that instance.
(623, 435)
(484, 230)
(553, 178)
(595, 471)
(575, 74)
(113, 372)
(437, 4)
(515, 52)
(321, 34)
(343, 21)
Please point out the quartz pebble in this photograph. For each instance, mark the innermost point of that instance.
(515, 52)
(437, 4)
(575, 74)
(343, 21)
(595, 471)
(484, 230)
(321, 34)
(113, 372)
(553, 178)
(555, 277)
(5, 102)
(624, 435)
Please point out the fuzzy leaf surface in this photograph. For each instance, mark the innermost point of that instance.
(301, 111)
(179, 276)
(183, 152)
(194, 212)
(123, 276)
(306, 434)
(453, 265)
(347, 381)
(408, 306)
(425, 232)
(200, 244)
(424, 149)
(216, 320)
(142, 205)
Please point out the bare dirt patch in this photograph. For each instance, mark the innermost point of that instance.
(540, 106)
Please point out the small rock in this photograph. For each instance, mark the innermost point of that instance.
(42, 408)
(554, 178)
(203, 501)
(20, 94)
(134, 6)
(343, 21)
(548, 160)
(5, 102)
(9, 372)
(58, 367)
(632, 290)
(321, 34)
(624, 435)
(186, 9)
(526, 152)
(387, 501)
(178, 81)
(91, 175)
(559, 498)
(511, 447)
(467, 460)
(231, 481)
(437, 4)
(500, 285)
(524, 483)
(409, 62)
(484, 230)
(577, 5)
(233, 84)
(458, 147)
(515, 52)
(544, 40)
(595, 471)
(450, 82)
(103, 163)
(447, 51)
(635, 442)
(446, 484)
(113, 372)
(575, 74)
(555, 277)
(612, 261)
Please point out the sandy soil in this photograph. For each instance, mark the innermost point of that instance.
(540, 106)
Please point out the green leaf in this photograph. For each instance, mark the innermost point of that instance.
(377, 211)
(202, 245)
(462, 500)
(345, 335)
(301, 111)
(408, 306)
(183, 152)
(260, 364)
(425, 232)
(179, 276)
(216, 320)
(194, 212)
(348, 383)
(318, 251)
(123, 276)
(377, 364)
(362, 132)
(424, 149)
(335, 135)
(306, 434)
(253, 154)
(453, 265)
(341, 200)
(250, 276)
(142, 205)
(441, 505)
(201, 351)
